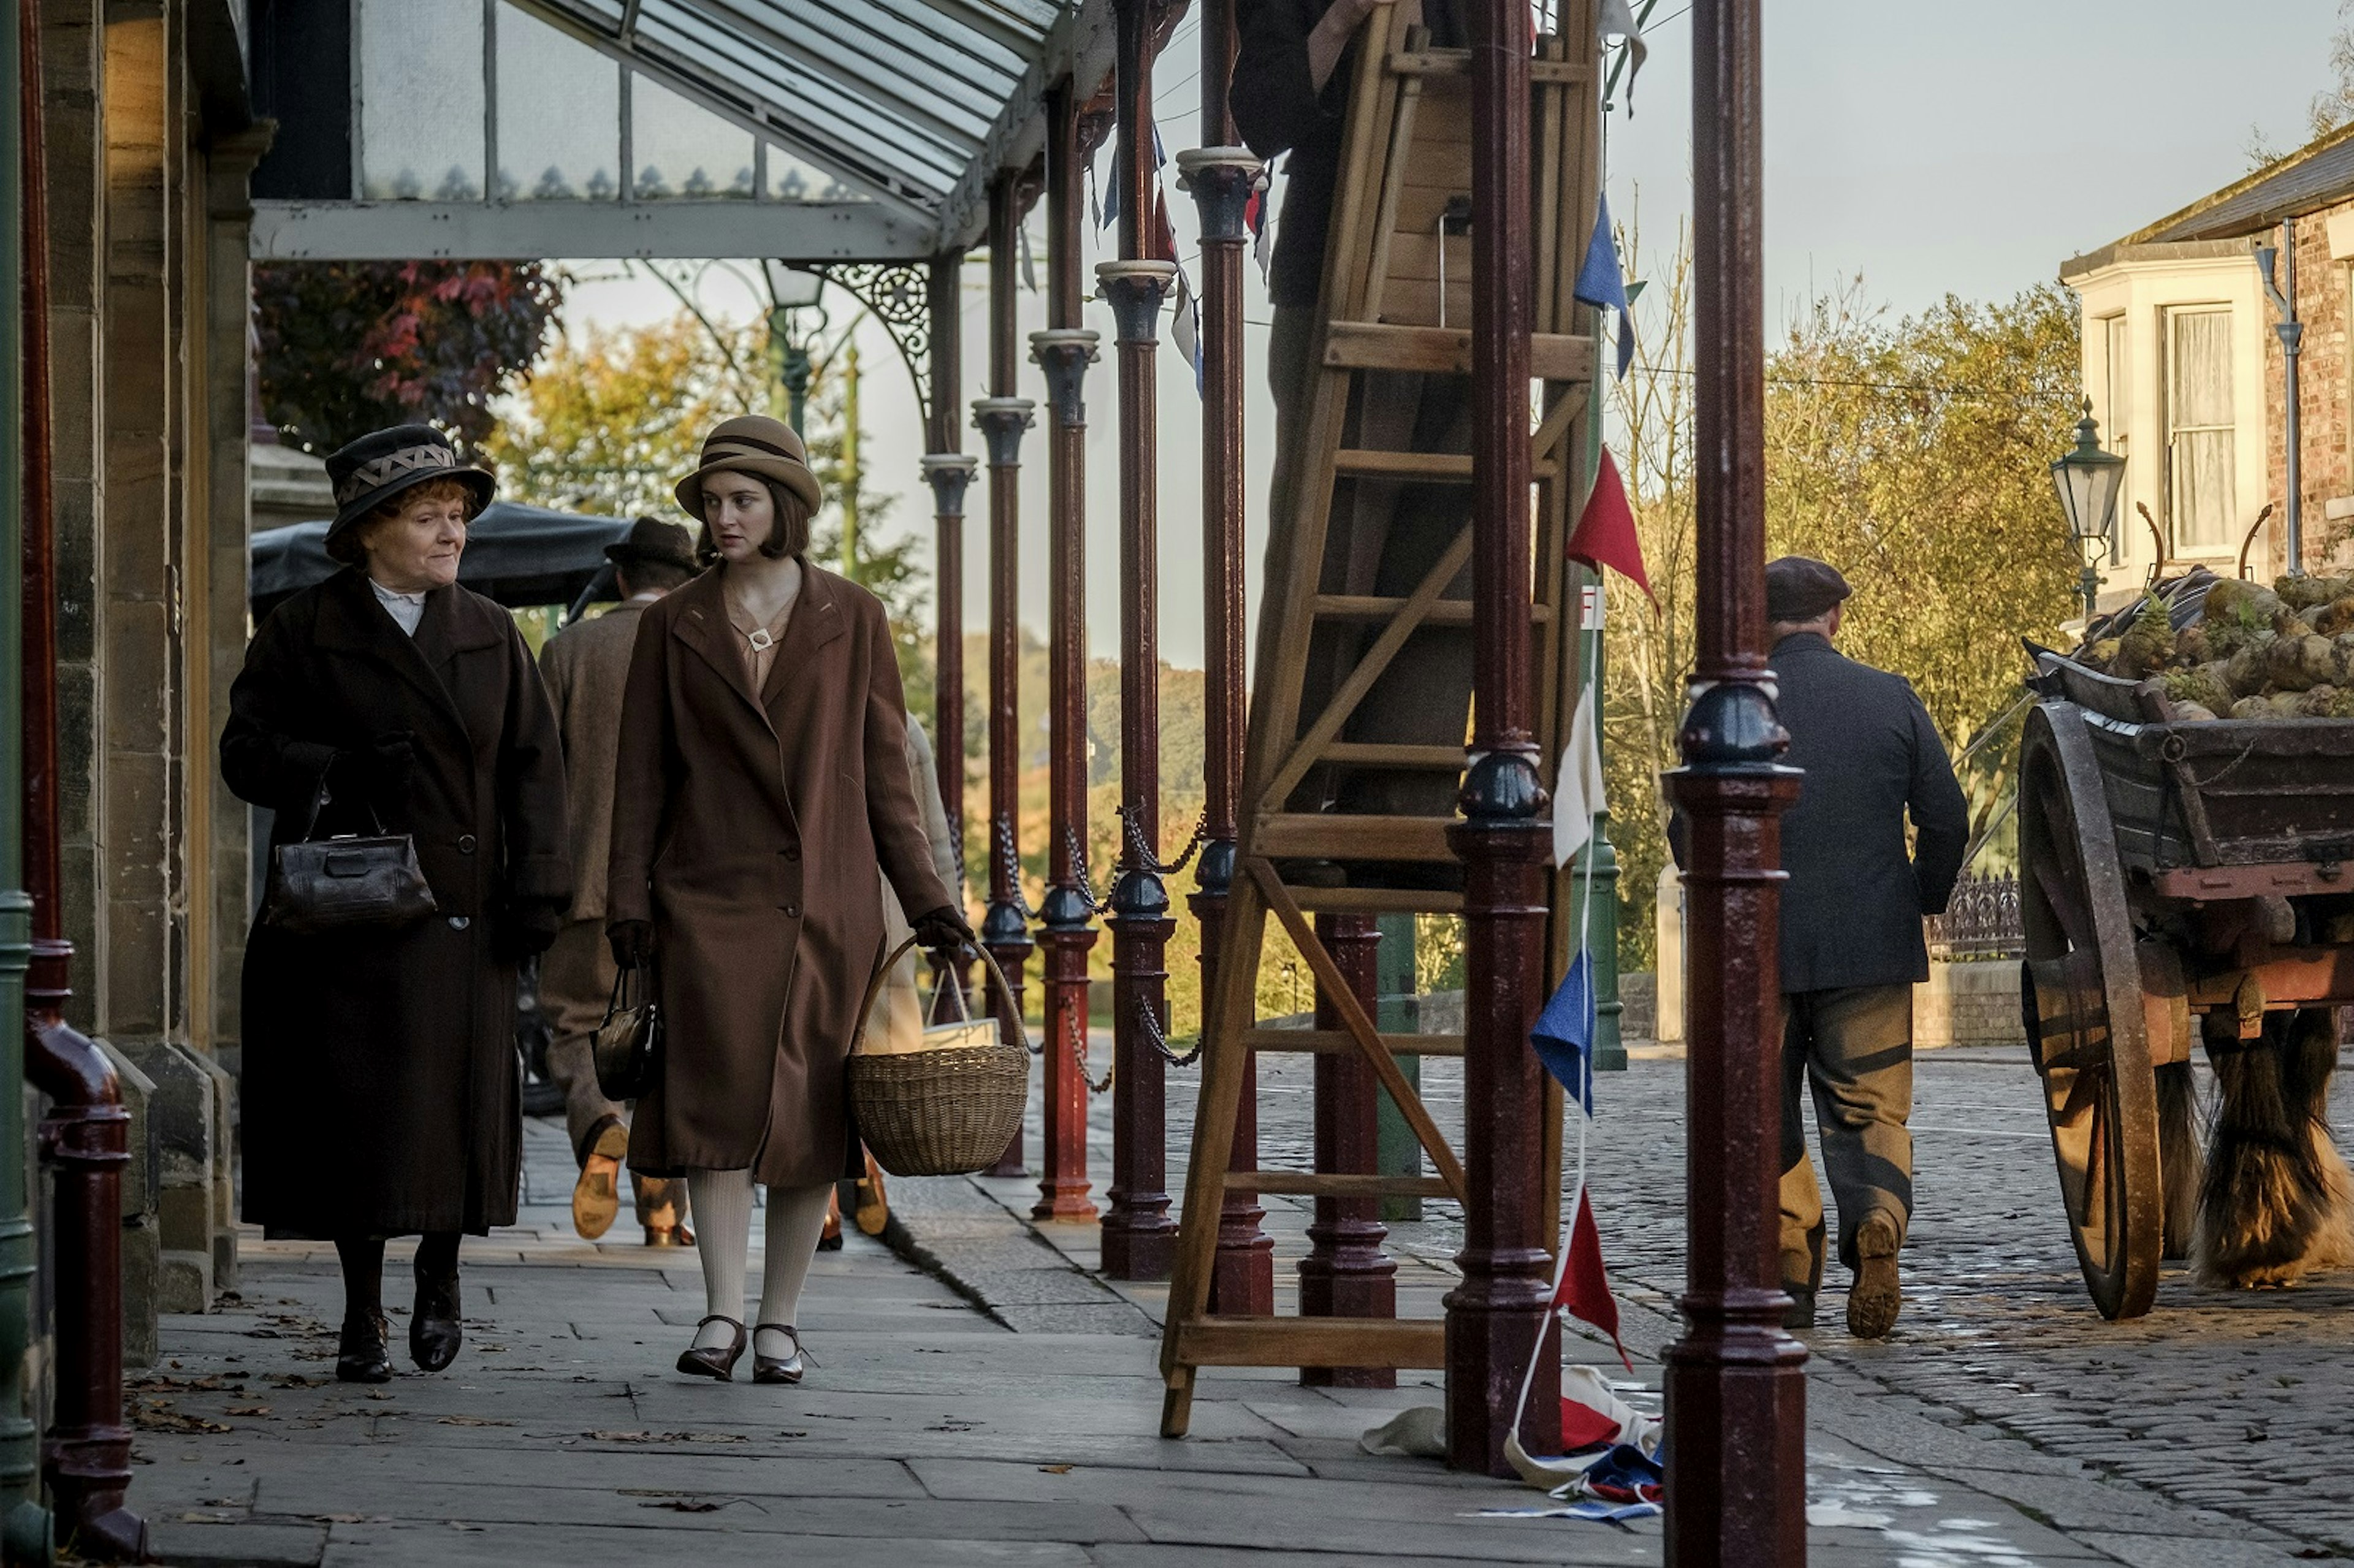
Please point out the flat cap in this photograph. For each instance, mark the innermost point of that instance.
(1799, 589)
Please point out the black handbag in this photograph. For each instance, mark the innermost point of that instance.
(345, 883)
(629, 1043)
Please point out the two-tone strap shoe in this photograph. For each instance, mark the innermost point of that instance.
(716, 1362)
(363, 1355)
(777, 1369)
(435, 1328)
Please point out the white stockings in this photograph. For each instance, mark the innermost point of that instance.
(722, 1204)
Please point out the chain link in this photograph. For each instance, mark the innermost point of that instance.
(1093, 1087)
(1140, 855)
(1009, 855)
(1151, 1020)
(1078, 858)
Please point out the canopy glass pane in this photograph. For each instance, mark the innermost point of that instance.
(559, 114)
(679, 149)
(421, 100)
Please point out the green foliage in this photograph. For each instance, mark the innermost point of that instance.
(346, 347)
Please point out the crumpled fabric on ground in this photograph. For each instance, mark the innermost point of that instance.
(1624, 1475)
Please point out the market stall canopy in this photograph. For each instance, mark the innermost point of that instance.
(519, 555)
(810, 131)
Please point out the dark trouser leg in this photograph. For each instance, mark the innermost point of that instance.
(576, 981)
(363, 1261)
(1801, 1197)
(1860, 1062)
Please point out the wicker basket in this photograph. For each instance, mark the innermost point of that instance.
(938, 1113)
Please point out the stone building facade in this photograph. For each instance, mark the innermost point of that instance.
(149, 144)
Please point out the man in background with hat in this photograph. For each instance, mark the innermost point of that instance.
(587, 665)
(1852, 942)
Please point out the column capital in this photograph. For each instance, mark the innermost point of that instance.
(947, 473)
(1221, 179)
(1064, 353)
(1001, 422)
(1135, 290)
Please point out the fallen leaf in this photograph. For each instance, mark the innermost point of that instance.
(249, 1410)
(338, 1518)
(173, 1421)
(686, 1505)
(1055, 1470)
(295, 1380)
(471, 1421)
(196, 1517)
(379, 1394)
(620, 1436)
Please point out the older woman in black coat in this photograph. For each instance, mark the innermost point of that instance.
(379, 1086)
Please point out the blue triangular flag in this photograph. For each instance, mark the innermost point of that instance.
(1601, 284)
(1563, 1036)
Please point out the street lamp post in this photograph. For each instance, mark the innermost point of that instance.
(791, 291)
(2089, 481)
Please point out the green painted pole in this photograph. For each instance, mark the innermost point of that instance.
(24, 1524)
(1397, 1152)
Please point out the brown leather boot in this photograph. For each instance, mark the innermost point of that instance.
(1873, 1299)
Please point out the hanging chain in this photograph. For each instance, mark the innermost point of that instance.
(1093, 1087)
(1151, 1020)
(1009, 855)
(1078, 858)
(1140, 855)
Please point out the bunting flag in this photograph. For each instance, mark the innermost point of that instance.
(1029, 271)
(1601, 284)
(1577, 791)
(1616, 20)
(1605, 535)
(1563, 1036)
(1583, 1290)
(1186, 329)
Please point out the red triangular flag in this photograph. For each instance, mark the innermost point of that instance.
(1585, 1289)
(1605, 530)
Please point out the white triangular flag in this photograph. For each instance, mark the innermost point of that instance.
(1616, 20)
(1577, 787)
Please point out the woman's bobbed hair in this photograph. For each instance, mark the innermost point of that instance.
(790, 536)
(349, 546)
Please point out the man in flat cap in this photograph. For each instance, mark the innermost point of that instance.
(586, 665)
(1851, 937)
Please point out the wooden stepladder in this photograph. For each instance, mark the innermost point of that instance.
(1362, 703)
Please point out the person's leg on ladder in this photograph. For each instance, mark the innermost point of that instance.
(796, 1215)
(363, 1356)
(723, 1208)
(1861, 1069)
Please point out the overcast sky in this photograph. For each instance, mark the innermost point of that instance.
(1929, 148)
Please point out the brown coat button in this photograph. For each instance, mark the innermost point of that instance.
(792, 911)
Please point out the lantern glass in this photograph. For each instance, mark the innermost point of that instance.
(2088, 482)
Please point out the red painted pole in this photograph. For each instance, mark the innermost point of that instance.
(950, 473)
(85, 1139)
(1002, 418)
(1067, 929)
(1345, 1273)
(1219, 174)
(1138, 1234)
(1497, 1316)
(1735, 1383)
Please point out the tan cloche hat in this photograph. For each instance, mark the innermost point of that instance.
(756, 445)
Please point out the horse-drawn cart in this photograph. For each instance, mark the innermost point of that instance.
(2178, 878)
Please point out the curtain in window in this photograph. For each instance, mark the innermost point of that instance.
(2200, 414)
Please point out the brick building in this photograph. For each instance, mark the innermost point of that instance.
(2184, 369)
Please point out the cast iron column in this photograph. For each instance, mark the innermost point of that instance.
(1065, 350)
(1139, 1236)
(1002, 418)
(948, 472)
(1736, 1386)
(1345, 1273)
(85, 1139)
(1242, 1279)
(1496, 1317)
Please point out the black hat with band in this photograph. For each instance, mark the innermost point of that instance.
(371, 471)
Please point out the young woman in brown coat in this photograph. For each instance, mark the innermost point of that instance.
(761, 783)
(379, 1083)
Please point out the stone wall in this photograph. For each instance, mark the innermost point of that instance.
(1969, 1004)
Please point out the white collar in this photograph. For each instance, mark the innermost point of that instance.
(392, 595)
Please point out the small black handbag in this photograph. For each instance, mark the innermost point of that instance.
(345, 882)
(629, 1043)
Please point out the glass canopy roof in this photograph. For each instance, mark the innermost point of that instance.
(826, 129)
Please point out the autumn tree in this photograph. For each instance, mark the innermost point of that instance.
(1913, 455)
(346, 347)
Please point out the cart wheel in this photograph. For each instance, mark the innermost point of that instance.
(2082, 995)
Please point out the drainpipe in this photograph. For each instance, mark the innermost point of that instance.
(85, 1139)
(2292, 333)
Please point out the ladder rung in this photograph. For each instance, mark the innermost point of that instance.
(1365, 463)
(1369, 754)
(1317, 1184)
(1374, 607)
(1218, 1341)
(1457, 62)
(1377, 901)
(1333, 835)
(1383, 345)
(1339, 1041)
